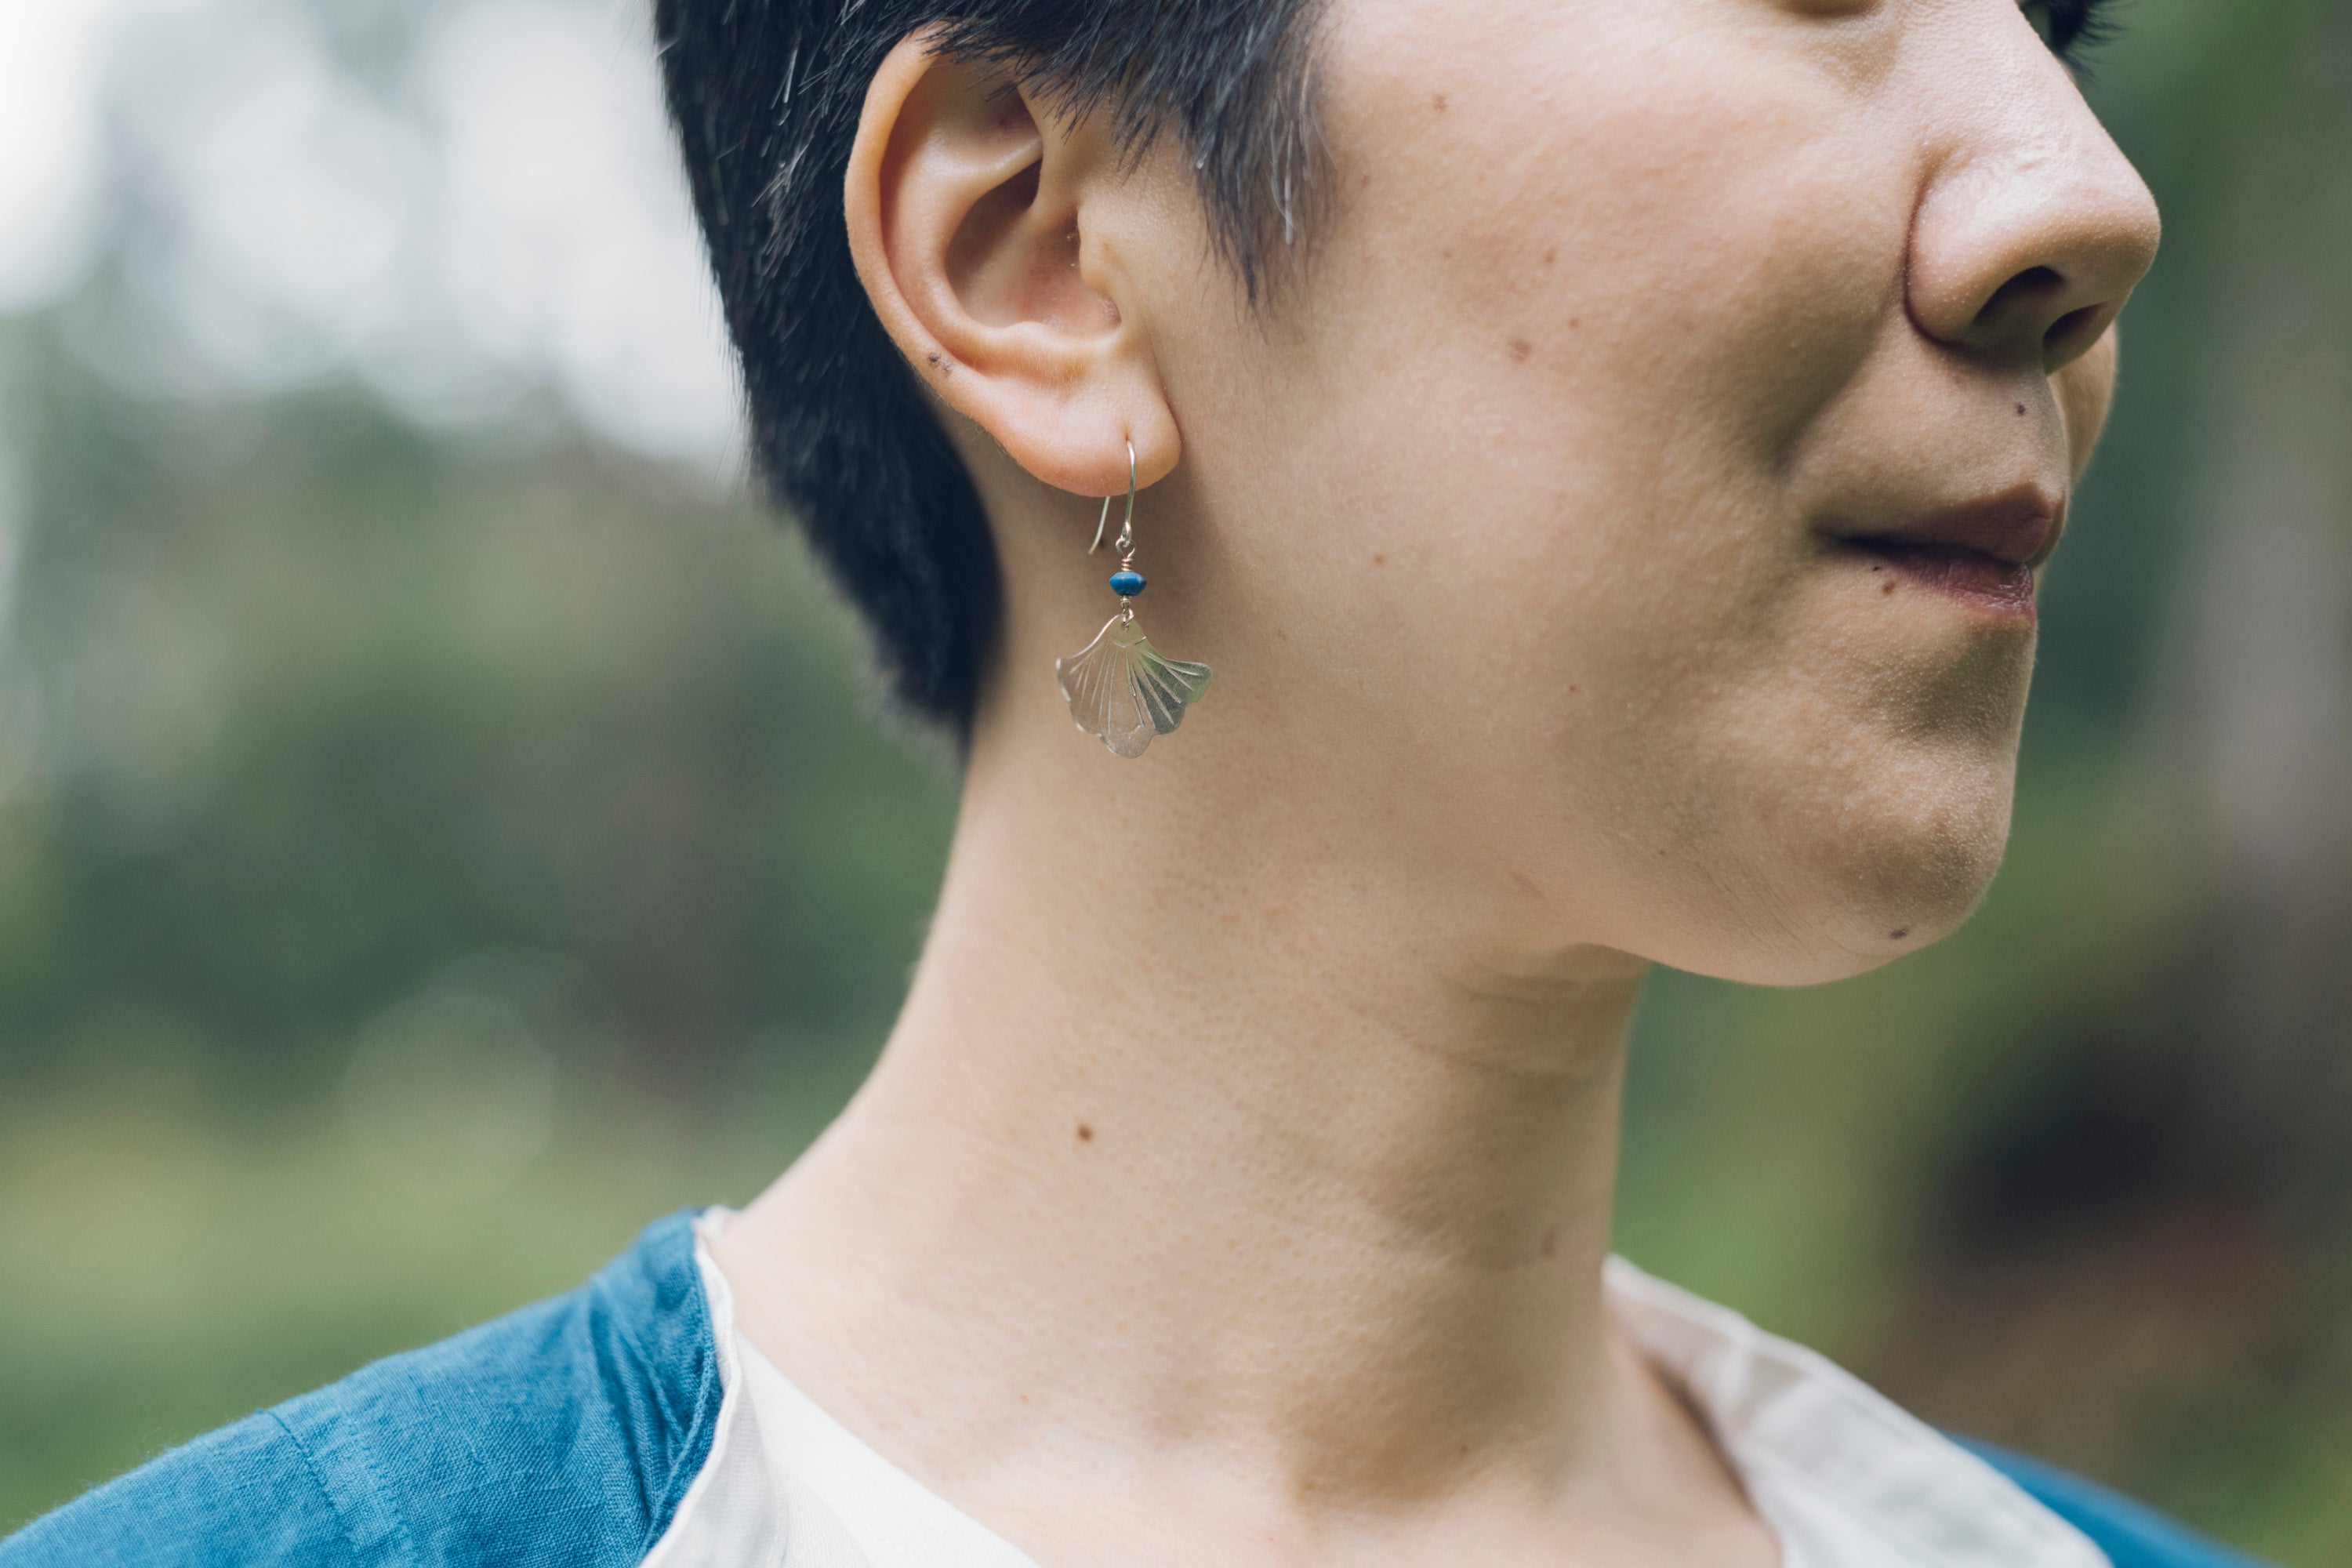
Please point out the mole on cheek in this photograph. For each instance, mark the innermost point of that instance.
(1085, 1134)
(1437, 102)
(1521, 348)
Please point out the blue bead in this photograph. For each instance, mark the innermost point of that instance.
(1126, 584)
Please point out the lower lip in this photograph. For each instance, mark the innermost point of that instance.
(1983, 582)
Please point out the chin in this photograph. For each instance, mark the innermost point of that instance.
(1837, 889)
(1911, 867)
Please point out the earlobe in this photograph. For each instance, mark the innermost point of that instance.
(974, 224)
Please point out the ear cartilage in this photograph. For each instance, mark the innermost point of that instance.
(1121, 689)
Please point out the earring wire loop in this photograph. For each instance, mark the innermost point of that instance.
(1127, 526)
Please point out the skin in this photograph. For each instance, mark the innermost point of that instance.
(1235, 1185)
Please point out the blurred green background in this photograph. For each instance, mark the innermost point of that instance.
(445, 825)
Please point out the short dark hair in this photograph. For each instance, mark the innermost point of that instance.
(766, 95)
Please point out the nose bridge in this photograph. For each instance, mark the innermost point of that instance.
(2032, 227)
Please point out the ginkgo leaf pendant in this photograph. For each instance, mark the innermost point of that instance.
(1123, 692)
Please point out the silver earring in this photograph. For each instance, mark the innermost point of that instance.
(1120, 691)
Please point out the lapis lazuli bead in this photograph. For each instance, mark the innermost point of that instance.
(1126, 584)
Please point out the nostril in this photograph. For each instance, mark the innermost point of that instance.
(2029, 311)
(2069, 334)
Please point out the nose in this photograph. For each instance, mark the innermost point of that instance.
(2033, 228)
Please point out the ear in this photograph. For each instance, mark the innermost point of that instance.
(969, 205)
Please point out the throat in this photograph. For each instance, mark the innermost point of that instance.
(1307, 1203)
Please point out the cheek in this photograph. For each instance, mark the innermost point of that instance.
(1616, 277)
(1614, 283)
(1578, 313)
(1683, 237)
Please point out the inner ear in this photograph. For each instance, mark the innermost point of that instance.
(1014, 256)
(988, 231)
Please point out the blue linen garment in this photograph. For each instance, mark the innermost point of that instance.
(565, 1432)
(568, 1434)
(2132, 1535)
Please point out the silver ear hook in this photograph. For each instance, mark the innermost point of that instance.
(1127, 527)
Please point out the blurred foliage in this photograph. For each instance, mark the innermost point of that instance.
(426, 858)
(427, 854)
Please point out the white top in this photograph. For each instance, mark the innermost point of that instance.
(1843, 1477)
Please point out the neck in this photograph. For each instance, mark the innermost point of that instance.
(1204, 1134)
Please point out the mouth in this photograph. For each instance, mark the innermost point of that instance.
(2004, 587)
(1984, 554)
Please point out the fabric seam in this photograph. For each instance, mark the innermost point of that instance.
(709, 1445)
(312, 1465)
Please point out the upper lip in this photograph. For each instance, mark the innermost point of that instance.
(2020, 526)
